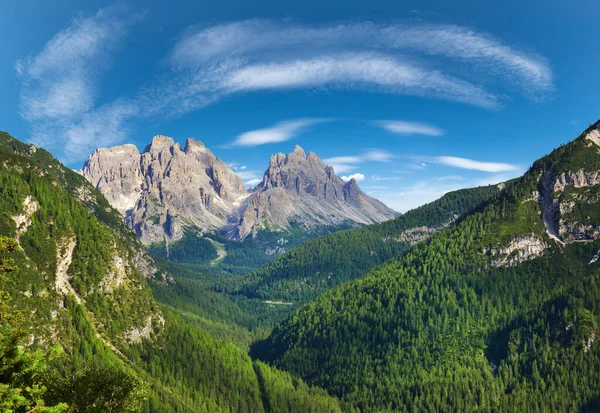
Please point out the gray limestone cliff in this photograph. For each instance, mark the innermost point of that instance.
(301, 188)
(166, 189)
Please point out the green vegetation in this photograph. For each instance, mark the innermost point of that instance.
(265, 245)
(192, 248)
(441, 329)
(316, 266)
(71, 281)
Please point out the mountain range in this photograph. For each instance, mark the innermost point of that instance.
(497, 312)
(166, 190)
(487, 299)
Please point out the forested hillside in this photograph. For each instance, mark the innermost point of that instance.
(79, 326)
(320, 264)
(498, 312)
(251, 304)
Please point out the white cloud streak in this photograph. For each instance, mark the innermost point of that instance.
(259, 37)
(280, 132)
(385, 178)
(60, 84)
(465, 163)
(409, 128)
(362, 71)
(253, 182)
(344, 164)
(357, 177)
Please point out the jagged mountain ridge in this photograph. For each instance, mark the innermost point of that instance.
(166, 189)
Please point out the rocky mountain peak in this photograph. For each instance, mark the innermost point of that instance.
(159, 142)
(165, 189)
(303, 189)
(297, 152)
(192, 144)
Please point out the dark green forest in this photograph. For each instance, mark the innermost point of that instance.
(316, 266)
(444, 328)
(71, 352)
(437, 310)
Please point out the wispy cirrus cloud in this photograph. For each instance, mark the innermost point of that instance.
(60, 84)
(409, 128)
(385, 178)
(465, 163)
(280, 132)
(264, 38)
(253, 182)
(343, 164)
(210, 63)
(61, 90)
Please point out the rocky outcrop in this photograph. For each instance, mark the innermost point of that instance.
(64, 257)
(523, 248)
(557, 206)
(165, 189)
(301, 188)
(576, 179)
(24, 219)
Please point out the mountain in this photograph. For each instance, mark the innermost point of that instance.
(315, 266)
(497, 312)
(166, 190)
(301, 188)
(73, 275)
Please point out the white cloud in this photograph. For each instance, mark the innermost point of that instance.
(248, 175)
(385, 178)
(263, 38)
(378, 156)
(409, 128)
(344, 164)
(343, 160)
(465, 163)
(449, 178)
(357, 70)
(357, 176)
(253, 182)
(60, 84)
(280, 132)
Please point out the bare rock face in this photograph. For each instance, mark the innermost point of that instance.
(165, 189)
(520, 249)
(565, 195)
(301, 188)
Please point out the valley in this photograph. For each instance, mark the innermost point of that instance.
(299, 207)
(496, 304)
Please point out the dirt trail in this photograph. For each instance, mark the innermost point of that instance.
(221, 252)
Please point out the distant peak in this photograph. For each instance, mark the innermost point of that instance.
(119, 149)
(162, 140)
(299, 151)
(192, 144)
(159, 141)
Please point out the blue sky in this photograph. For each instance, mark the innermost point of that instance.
(412, 98)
